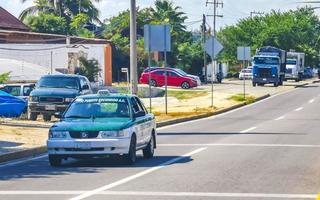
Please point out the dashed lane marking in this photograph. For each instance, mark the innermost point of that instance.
(248, 130)
(298, 109)
(135, 176)
(280, 118)
(312, 100)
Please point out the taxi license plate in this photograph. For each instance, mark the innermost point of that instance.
(83, 145)
(50, 107)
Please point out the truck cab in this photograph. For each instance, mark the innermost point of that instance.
(295, 66)
(54, 93)
(269, 65)
(265, 69)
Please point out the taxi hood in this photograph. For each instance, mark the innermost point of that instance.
(98, 124)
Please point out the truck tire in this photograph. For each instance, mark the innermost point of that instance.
(281, 80)
(254, 84)
(149, 150)
(46, 117)
(55, 160)
(130, 158)
(32, 116)
(275, 84)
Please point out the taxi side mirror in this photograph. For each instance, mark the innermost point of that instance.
(140, 114)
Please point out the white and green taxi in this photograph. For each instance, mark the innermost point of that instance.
(100, 125)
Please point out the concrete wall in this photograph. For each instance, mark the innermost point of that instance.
(42, 54)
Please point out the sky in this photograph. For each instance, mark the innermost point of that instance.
(232, 10)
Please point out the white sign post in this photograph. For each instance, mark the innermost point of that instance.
(244, 54)
(158, 38)
(125, 70)
(213, 48)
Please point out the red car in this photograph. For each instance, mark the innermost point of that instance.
(173, 79)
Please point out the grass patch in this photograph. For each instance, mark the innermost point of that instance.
(184, 95)
(161, 116)
(240, 98)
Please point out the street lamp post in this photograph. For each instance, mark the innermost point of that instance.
(133, 48)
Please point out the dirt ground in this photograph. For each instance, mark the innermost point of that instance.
(19, 138)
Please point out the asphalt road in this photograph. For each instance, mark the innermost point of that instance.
(269, 150)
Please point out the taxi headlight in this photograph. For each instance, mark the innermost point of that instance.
(114, 134)
(69, 100)
(58, 134)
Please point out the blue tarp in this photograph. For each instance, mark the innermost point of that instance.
(11, 106)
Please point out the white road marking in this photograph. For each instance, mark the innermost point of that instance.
(248, 130)
(298, 109)
(242, 145)
(135, 176)
(312, 100)
(280, 118)
(8, 164)
(168, 194)
(229, 112)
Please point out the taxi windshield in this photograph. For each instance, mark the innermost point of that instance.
(99, 108)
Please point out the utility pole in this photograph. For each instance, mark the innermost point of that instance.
(204, 51)
(79, 6)
(255, 13)
(216, 4)
(133, 48)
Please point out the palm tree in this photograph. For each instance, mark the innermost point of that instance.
(64, 8)
(166, 12)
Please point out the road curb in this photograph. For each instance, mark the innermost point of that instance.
(23, 154)
(176, 121)
(43, 149)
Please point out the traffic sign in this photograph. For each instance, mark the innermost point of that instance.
(244, 53)
(213, 47)
(124, 70)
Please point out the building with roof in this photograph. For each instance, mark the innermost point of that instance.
(52, 52)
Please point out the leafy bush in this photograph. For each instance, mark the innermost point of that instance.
(88, 68)
(4, 77)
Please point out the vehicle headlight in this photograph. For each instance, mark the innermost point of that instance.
(273, 75)
(69, 100)
(33, 99)
(58, 134)
(114, 134)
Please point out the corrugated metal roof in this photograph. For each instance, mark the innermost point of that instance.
(10, 22)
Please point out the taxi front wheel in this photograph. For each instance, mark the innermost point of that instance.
(130, 158)
(149, 150)
(55, 160)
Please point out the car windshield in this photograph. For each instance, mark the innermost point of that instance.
(58, 82)
(291, 62)
(246, 70)
(99, 108)
(266, 60)
(181, 72)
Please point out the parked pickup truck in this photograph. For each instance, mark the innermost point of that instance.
(54, 93)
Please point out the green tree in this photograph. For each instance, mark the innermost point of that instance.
(67, 9)
(295, 29)
(4, 77)
(77, 26)
(89, 68)
(47, 23)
